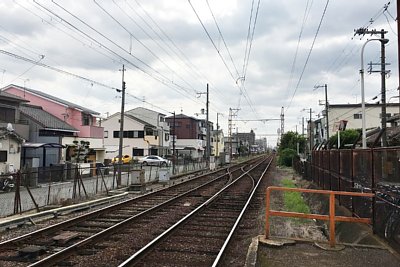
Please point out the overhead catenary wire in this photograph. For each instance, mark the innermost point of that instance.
(251, 42)
(221, 57)
(173, 47)
(308, 55)
(292, 69)
(161, 79)
(145, 46)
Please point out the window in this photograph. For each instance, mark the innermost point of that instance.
(3, 155)
(166, 137)
(140, 134)
(388, 115)
(149, 131)
(129, 134)
(105, 134)
(162, 119)
(358, 116)
(85, 119)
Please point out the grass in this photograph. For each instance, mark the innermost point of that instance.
(293, 200)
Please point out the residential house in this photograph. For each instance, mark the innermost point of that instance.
(46, 134)
(217, 143)
(80, 118)
(158, 137)
(13, 131)
(190, 134)
(140, 138)
(10, 149)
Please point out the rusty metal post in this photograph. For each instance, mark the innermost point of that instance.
(267, 208)
(332, 219)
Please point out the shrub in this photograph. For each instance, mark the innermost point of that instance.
(286, 157)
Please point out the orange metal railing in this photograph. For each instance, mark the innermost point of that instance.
(332, 218)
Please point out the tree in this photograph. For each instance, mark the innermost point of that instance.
(81, 151)
(288, 147)
(290, 140)
(346, 137)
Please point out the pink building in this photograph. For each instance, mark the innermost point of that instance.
(83, 119)
(80, 118)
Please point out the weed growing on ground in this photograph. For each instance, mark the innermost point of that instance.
(293, 200)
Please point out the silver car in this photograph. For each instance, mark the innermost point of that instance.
(154, 160)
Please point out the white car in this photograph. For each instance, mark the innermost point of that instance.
(154, 160)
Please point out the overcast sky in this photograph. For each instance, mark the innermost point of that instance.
(169, 57)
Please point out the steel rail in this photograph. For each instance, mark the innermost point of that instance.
(65, 253)
(70, 222)
(229, 237)
(141, 253)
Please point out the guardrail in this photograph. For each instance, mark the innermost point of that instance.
(332, 218)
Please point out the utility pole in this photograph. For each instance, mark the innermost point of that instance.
(282, 121)
(121, 129)
(383, 90)
(311, 139)
(208, 128)
(173, 147)
(326, 108)
(208, 137)
(398, 46)
(230, 125)
(216, 149)
(310, 135)
(363, 31)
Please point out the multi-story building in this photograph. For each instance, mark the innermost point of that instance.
(217, 143)
(145, 133)
(352, 113)
(84, 120)
(159, 136)
(13, 132)
(46, 134)
(190, 134)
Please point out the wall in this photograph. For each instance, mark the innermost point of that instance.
(111, 144)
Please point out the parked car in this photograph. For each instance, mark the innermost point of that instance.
(125, 159)
(154, 160)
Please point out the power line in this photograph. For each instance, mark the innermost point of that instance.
(222, 37)
(223, 60)
(251, 41)
(177, 51)
(38, 63)
(146, 47)
(212, 41)
(305, 17)
(309, 54)
(161, 79)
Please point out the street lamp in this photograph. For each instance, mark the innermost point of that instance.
(364, 135)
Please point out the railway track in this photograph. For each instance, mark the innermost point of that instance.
(201, 238)
(84, 236)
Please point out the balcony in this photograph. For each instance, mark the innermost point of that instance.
(91, 131)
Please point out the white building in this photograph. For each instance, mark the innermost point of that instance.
(145, 133)
(353, 115)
